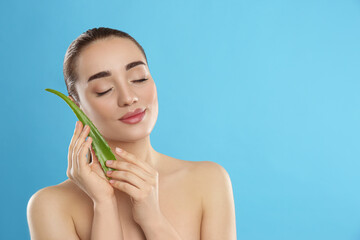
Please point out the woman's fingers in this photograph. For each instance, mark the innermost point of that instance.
(71, 160)
(93, 156)
(81, 138)
(95, 164)
(128, 167)
(74, 138)
(81, 155)
(132, 172)
(129, 177)
(131, 158)
(79, 141)
(77, 149)
(128, 188)
(132, 164)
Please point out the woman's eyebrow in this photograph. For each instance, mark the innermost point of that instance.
(108, 73)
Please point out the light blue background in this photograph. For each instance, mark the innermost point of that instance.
(267, 89)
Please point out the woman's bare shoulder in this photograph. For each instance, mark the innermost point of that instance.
(200, 171)
(65, 189)
(49, 211)
(209, 167)
(200, 167)
(207, 171)
(59, 196)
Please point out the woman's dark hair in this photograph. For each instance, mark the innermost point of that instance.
(73, 51)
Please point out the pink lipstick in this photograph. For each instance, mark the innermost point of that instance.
(133, 117)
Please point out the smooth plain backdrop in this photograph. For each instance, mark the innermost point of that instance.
(267, 89)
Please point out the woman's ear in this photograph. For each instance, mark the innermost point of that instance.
(74, 101)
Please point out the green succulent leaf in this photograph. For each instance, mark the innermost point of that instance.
(101, 148)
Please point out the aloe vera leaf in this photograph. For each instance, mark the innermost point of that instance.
(101, 148)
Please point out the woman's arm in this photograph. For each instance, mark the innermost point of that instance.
(218, 220)
(106, 223)
(49, 219)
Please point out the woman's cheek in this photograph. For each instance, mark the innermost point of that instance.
(151, 94)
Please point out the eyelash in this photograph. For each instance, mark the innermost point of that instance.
(140, 80)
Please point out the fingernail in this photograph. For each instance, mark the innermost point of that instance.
(112, 181)
(109, 172)
(119, 150)
(109, 162)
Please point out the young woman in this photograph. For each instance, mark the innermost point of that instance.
(150, 196)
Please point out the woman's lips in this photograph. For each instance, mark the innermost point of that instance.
(133, 113)
(135, 118)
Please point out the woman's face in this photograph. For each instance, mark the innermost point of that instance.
(123, 93)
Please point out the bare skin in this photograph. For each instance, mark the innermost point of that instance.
(183, 194)
(194, 200)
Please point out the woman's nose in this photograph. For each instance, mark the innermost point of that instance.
(126, 96)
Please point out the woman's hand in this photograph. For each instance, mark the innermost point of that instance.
(89, 177)
(141, 182)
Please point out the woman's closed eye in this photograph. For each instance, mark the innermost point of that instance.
(102, 93)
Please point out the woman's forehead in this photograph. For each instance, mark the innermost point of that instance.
(114, 47)
(105, 54)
